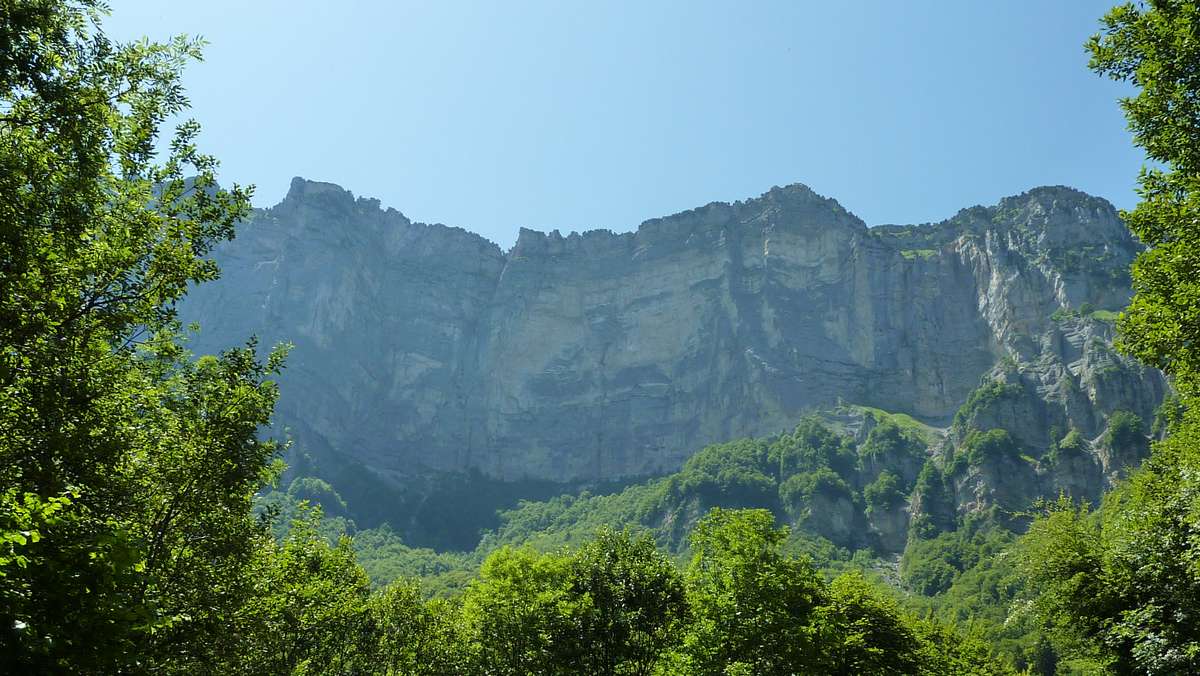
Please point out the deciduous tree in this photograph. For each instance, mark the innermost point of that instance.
(1121, 586)
(126, 467)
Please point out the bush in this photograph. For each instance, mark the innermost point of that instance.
(991, 446)
(1126, 433)
(799, 490)
(888, 440)
(318, 492)
(729, 475)
(981, 399)
(810, 446)
(1073, 445)
(883, 494)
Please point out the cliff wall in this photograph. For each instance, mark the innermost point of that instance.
(600, 355)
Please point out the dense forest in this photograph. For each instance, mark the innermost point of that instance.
(149, 525)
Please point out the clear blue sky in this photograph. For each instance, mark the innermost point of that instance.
(579, 115)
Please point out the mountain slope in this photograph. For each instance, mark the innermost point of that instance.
(598, 356)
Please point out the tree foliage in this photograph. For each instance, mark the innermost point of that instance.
(1120, 587)
(759, 611)
(1155, 47)
(754, 606)
(127, 467)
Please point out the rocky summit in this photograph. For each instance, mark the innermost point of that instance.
(601, 355)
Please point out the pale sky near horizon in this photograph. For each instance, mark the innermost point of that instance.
(573, 115)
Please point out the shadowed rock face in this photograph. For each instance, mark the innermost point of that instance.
(602, 355)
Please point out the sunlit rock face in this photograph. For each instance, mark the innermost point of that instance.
(602, 355)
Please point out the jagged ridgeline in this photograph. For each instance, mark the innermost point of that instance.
(427, 358)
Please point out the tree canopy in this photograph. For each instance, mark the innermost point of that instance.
(126, 467)
(1119, 587)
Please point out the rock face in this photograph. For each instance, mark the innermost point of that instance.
(601, 355)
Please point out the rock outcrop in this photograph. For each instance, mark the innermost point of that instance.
(601, 355)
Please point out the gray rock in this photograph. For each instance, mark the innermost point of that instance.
(890, 527)
(600, 355)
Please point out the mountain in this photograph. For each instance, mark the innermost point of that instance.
(598, 356)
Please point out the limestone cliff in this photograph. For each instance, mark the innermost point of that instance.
(599, 355)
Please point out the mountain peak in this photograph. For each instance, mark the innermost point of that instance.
(1047, 198)
(301, 188)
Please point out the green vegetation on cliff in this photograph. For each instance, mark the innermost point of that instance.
(954, 570)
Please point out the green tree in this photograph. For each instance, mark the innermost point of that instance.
(1153, 45)
(308, 610)
(616, 606)
(811, 446)
(1070, 446)
(728, 475)
(411, 637)
(988, 447)
(515, 608)
(1126, 435)
(948, 652)
(863, 632)
(1074, 600)
(631, 606)
(883, 494)
(753, 606)
(126, 468)
(1120, 586)
(933, 505)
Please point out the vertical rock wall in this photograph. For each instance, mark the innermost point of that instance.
(602, 355)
